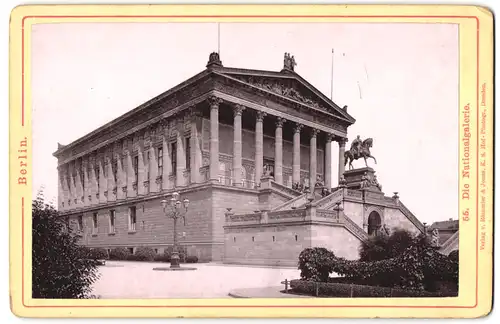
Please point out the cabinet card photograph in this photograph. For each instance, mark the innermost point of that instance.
(251, 161)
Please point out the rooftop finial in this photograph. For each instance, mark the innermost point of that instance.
(214, 60)
(289, 62)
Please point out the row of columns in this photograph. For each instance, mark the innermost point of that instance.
(278, 153)
(96, 188)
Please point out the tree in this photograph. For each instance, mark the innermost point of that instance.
(381, 247)
(61, 268)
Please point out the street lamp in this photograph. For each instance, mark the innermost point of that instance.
(175, 209)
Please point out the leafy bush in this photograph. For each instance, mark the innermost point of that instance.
(315, 264)
(381, 247)
(119, 253)
(192, 259)
(144, 253)
(419, 267)
(453, 256)
(99, 254)
(59, 268)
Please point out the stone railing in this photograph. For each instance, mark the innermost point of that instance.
(331, 199)
(255, 217)
(285, 189)
(246, 183)
(354, 228)
(328, 214)
(204, 173)
(389, 200)
(354, 193)
(293, 203)
(286, 214)
(410, 216)
(225, 180)
(445, 248)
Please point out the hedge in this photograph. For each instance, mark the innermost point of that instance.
(334, 289)
(119, 253)
(143, 253)
(99, 254)
(420, 267)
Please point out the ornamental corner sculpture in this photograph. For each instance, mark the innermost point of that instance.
(289, 62)
(359, 149)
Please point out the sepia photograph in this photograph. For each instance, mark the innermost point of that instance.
(245, 160)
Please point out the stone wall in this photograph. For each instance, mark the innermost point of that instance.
(272, 244)
(354, 211)
(394, 218)
(337, 239)
(204, 222)
(280, 243)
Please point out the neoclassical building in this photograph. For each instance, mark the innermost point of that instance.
(228, 139)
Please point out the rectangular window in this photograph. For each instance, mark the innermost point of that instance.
(160, 160)
(132, 216)
(112, 221)
(136, 168)
(173, 157)
(131, 250)
(80, 222)
(94, 223)
(188, 152)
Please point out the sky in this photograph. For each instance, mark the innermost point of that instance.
(399, 81)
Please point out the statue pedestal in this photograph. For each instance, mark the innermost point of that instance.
(354, 177)
(362, 179)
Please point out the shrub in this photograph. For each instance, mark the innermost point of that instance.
(59, 268)
(164, 257)
(119, 253)
(419, 267)
(453, 256)
(144, 253)
(315, 264)
(381, 247)
(192, 259)
(99, 254)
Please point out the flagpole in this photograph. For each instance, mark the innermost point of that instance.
(331, 83)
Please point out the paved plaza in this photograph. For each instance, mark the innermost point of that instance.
(124, 279)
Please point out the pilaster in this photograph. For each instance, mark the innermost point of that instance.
(237, 145)
(167, 163)
(278, 151)
(313, 156)
(181, 153)
(103, 183)
(214, 103)
(259, 146)
(328, 161)
(296, 154)
(111, 185)
(153, 169)
(142, 172)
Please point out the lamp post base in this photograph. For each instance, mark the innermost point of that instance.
(175, 260)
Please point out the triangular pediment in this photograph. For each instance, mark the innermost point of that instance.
(293, 87)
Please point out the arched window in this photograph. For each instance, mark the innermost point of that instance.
(374, 223)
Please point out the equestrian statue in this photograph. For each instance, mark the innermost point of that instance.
(359, 149)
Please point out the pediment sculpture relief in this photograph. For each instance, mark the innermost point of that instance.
(284, 89)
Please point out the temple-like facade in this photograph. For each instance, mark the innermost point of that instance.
(233, 141)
